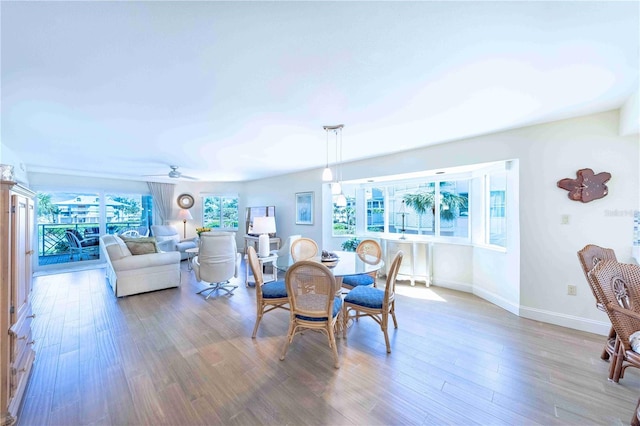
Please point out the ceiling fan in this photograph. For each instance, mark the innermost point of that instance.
(175, 174)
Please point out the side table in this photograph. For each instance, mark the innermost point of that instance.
(262, 261)
(191, 253)
(250, 239)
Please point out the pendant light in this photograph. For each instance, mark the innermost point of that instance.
(336, 187)
(341, 200)
(327, 176)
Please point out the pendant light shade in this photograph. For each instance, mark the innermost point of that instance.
(327, 176)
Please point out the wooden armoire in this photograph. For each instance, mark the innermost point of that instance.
(16, 253)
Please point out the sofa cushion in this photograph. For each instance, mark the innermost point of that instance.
(141, 245)
(116, 248)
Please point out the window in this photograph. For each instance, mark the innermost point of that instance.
(128, 212)
(374, 197)
(344, 212)
(220, 212)
(430, 208)
(496, 220)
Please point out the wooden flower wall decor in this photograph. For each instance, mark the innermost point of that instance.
(587, 186)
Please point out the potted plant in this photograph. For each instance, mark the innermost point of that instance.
(351, 244)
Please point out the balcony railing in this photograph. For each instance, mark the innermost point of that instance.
(53, 247)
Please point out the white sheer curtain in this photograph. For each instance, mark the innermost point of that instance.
(162, 194)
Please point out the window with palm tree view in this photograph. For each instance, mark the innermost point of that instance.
(437, 208)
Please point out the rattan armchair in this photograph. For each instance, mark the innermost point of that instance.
(374, 302)
(619, 285)
(589, 257)
(313, 302)
(269, 296)
(366, 247)
(303, 249)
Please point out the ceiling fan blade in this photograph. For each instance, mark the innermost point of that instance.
(188, 177)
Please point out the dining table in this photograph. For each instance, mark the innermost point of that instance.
(342, 264)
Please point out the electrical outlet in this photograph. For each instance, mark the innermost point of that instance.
(572, 290)
(564, 219)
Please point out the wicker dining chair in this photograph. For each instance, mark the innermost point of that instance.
(589, 256)
(313, 301)
(303, 249)
(269, 296)
(635, 420)
(366, 247)
(374, 302)
(619, 284)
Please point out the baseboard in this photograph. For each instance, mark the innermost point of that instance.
(563, 320)
(569, 321)
(454, 285)
(497, 300)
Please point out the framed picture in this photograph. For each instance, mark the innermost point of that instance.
(304, 208)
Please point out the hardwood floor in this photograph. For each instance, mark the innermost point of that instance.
(171, 357)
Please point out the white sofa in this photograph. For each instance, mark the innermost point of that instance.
(132, 274)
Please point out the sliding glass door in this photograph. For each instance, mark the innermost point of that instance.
(70, 223)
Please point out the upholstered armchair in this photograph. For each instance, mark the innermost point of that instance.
(168, 239)
(217, 262)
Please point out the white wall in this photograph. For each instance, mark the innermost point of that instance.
(198, 190)
(280, 192)
(630, 115)
(547, 257)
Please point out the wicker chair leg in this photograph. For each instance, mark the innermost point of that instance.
(332, 343)
(393, 314)
(255, 327)
(288, 342)
(616, 366)
(635, 420)
(345, 320)
(605, 352)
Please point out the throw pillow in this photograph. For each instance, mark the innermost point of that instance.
(634, 341)
(141, 245)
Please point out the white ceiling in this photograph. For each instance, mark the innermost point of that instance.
(234, 91)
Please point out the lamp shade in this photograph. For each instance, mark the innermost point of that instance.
(184, 214)
(264, 226)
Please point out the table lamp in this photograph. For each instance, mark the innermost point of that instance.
(264, 226)
(185, 215)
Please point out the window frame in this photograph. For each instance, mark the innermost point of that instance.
(221, 217)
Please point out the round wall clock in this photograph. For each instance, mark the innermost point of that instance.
(185, 201)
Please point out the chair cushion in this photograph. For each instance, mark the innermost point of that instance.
(369, 297)
(634, 341)
(356, 280)
(274, 290)
(337, 306)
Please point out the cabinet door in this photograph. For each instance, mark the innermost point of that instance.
(21, 252)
